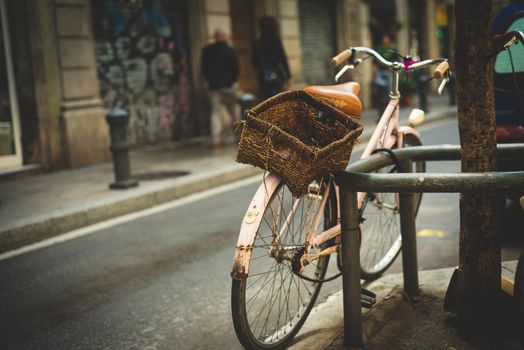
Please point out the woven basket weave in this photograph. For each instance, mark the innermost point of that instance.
(298, 138)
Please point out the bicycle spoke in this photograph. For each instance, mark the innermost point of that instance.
(260, 273)
(272, 301)
(256, 280)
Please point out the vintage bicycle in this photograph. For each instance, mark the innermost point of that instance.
(285, 243)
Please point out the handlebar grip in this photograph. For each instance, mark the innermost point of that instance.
(441, 69)
(341, 57)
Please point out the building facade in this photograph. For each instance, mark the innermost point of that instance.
(64, 63)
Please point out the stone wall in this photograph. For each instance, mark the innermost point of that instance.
(62, 117)
(290, 32)
(85, 133)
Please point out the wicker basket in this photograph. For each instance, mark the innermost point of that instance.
(297, 137)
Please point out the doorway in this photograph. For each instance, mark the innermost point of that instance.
(243, 35)
(10, 147)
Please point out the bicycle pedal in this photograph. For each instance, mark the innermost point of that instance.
(367, 298)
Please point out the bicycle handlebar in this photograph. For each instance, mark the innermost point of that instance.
(337, 59)
(348, 53)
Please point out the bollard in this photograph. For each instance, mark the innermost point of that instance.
(118, 120)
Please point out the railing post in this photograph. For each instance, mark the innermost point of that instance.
(409, 236)
(351, 269)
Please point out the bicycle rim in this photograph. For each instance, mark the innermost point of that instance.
(272, 303)
(381, 239)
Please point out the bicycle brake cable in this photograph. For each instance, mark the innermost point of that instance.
(391, 154)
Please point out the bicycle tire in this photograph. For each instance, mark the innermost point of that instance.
(294, 305)
(381, 240)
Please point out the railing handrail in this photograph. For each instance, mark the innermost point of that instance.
(428, 153)
(357, 176)
(501, 183)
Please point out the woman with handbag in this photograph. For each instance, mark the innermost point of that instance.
(270, 59)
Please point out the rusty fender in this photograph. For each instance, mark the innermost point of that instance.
(250, 224)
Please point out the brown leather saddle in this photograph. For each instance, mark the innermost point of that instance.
(341, 96)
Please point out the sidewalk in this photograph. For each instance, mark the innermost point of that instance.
(397, 323)
(43, 206)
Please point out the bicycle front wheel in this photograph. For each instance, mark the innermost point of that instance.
(270, 305)
(381, 239)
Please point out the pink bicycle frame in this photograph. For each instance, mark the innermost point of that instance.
(387, 134)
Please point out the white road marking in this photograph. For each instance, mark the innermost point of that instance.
(84, 231)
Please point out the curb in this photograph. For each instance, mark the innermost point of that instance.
(43, 227)
(47, 226)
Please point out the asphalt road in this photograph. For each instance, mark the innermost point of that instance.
(162, 281)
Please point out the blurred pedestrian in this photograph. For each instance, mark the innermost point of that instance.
(270, 59)
(220, 70)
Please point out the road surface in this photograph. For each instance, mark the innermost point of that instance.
(161, 280)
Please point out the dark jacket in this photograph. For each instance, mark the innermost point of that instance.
(269, 54)
(219, 65)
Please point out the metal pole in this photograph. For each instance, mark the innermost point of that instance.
(351, 269)
(409, 236)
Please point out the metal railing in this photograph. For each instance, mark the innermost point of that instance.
(357, 178)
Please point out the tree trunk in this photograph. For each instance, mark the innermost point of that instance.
(479, 263)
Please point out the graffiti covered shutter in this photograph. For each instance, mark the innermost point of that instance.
(142, 62)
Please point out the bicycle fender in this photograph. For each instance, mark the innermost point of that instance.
(407, 130)
(250, 224)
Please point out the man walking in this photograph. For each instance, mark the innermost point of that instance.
(220, 69)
